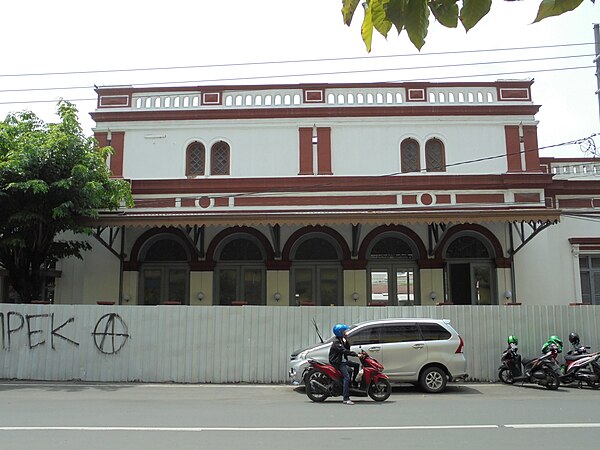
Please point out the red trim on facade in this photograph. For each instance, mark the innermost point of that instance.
(513, 148)
(155, 203)
(585, 240)
(409, 199)
(211, 98)
(500, 260)
(204, 202)
(114, 101)
(442, 199)
(314, 96)
(134, 262)
(116, 159)
(343, 245)
(117, 143)
(324, 86)
(514, 94)
(107, 96)
(401, 229)
(188, 202)
(353, 111)
(216, 241)
(532, 156)
(305, 152)
(416, 94)
(479, 198)
(401, 183)
(426, 199)
(317, 200)
(324, 151)
(575, 202)
(222, 201)
(527, 197)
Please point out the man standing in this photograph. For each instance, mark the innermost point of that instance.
(338, 357)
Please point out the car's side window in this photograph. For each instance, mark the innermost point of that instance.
(434, 332)
(400, 333)
(365, 336)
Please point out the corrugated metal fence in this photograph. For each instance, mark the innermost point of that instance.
(241, 344)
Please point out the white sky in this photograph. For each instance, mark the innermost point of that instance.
(40, 36)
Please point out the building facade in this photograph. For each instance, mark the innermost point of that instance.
(389, 194)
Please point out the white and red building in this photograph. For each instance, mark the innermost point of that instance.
(337, 194)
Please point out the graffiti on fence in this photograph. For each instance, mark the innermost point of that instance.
(110, 333)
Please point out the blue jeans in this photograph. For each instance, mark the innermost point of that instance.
(346, 386)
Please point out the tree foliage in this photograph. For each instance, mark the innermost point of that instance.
(51, 177)
(413, 15)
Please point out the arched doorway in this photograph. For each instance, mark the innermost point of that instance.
(240, 272)
(470, 274)
(164, 271)
(316, 271)
(393, 272)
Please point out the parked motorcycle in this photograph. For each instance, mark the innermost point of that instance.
(537, 370)
(323, 380)
(581, 366)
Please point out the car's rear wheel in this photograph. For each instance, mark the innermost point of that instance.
(380, 390)
(433, 380)
(314, 380)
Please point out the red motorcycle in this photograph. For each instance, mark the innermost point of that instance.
(323, 380)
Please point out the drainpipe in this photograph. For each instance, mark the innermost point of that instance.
(121, 258)
(512, 264)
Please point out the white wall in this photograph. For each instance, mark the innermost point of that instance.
(360, 146)
(95, 278)
(544, 267)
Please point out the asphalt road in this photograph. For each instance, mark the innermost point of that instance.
(167, 416)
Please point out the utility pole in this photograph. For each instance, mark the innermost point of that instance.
(597, 61)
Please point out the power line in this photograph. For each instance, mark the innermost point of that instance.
(393, 174)
(441, 66)
(356, 58)
(287, 76)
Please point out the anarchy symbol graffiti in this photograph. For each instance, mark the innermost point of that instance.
(110, 334)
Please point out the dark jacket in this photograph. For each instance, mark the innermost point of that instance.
(339, 351)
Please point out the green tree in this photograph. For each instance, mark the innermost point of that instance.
(413, 15)
(51, 177)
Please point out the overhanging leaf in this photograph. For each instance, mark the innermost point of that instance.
(473, 11)
(549, 8)
(395, 13)
(417, 21)
(366, 29)
(378, 16)
(445, 12)
(348, 8)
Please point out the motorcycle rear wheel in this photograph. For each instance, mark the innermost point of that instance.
(312, 393)
(594, 384)
(380, 390)
(506, 376)
(553, 380)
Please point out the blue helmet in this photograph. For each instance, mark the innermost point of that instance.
(339, 329)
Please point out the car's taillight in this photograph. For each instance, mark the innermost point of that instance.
(460, 345)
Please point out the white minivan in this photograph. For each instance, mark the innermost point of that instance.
(427, 352)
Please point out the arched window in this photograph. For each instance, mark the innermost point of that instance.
(219, 158)
(435, 160)
(164, 272)
(409, 156)
(240, 272)
(316, 271)
(195, 160)
(470, 271)
(393, 271)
